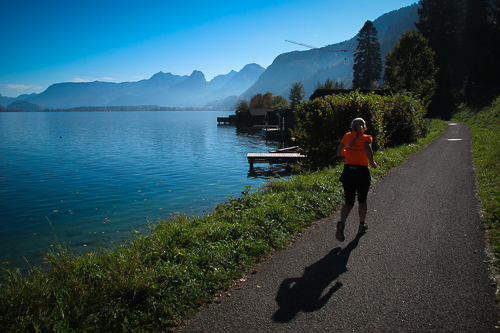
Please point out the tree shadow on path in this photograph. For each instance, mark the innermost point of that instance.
(307, 292)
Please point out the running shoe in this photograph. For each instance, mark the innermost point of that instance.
(362, 228)
(340, 231)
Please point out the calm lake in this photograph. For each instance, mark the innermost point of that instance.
(88, 179)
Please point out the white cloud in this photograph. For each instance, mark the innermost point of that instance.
(22, 87)
(102, 79)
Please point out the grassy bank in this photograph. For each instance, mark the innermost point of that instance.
(485, 124)
(155, 281)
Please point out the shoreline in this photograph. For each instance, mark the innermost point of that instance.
(161, 279)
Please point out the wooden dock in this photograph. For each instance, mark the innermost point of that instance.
(223, 120)
(273, 158)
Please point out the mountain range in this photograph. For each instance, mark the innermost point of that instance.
(164, 89)
(309, 67)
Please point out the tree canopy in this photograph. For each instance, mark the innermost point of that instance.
(280, 102)
(297, 94)
(329, 84)
(410, 66)
(261, 101)
(268, 100)
(241, 107)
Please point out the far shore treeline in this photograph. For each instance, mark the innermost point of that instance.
(116, 108)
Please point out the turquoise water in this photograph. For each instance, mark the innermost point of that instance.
(88, 179)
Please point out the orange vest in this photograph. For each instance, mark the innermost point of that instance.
(355, 154)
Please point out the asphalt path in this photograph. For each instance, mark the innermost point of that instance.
(419, 268)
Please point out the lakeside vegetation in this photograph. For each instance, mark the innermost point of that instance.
(155, 281)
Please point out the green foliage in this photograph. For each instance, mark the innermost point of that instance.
(268, 100)
(261, 101)
(156, 281)
(279, 102)
(321, 124)
(410, 67)
(329, 84)
(242, 107)
(404, 120)
(367, 59)
(296, 94)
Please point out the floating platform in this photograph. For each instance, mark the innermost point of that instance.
(273, 158)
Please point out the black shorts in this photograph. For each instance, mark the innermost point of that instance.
(355, 179)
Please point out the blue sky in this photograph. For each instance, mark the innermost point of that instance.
(46, 42)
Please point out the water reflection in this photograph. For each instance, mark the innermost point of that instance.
(112, 172)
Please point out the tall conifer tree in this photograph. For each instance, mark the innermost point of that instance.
(367, 60)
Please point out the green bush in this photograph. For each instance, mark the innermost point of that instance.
(404, 119)
(391, 120)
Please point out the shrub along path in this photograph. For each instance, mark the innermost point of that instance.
(419, 268)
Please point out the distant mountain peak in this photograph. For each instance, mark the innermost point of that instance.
(162, 75)
(253, 65)
(220, 80)
(196, 78)
(197, 74)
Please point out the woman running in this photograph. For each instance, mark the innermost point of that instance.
(357, 149)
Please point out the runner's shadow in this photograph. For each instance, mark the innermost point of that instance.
(306, 293)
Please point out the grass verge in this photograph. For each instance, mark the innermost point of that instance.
(485, 124)
(155, 281)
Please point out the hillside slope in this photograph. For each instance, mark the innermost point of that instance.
(313, 66)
